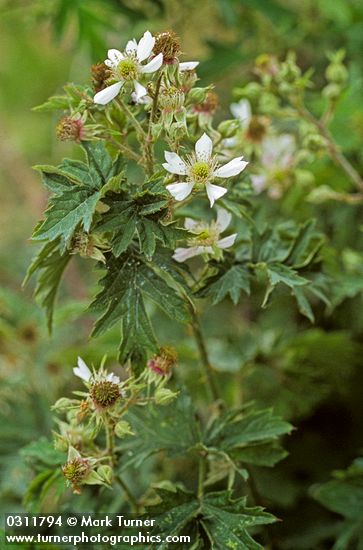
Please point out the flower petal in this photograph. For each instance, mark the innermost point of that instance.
(188, 65)
(82, 371)
(214, 192)
(145, 46)
(174, 164)
(153, 65)
(131, 46)
(182, 254)
(227, 241)
(140, 91)
(242, 110)
(115, 56)
(232, 168)
(203, 148)
(193, 225)
(223, 219)
(108, 94)
(180, 191)
(113, 378)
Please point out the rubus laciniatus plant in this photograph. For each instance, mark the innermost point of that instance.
(165, 204)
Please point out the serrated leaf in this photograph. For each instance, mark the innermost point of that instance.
(142, 214)
(171, 428)
(51, 263)
(232, 282)
(126, 285)
(217, 516)
(248, 437)
(75, 207)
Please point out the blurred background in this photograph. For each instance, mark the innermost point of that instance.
(47, 43)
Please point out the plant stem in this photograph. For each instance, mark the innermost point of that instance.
(139, 129)
(110, 450)
(334, 150)
(201, 475)
(149, 152)
(208, 369)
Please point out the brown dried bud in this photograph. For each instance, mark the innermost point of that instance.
(100, 74)
(167, 43)
(76, 470)
(163, 363)
(209, 105)
(69, 129)
(104, 394)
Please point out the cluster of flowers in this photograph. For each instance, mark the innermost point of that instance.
(104, 404)
(197, 170)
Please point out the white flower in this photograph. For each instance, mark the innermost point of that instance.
(128, 67)
(242, 111)
(277, 157)
(200, 168)
(207, 240)
(83, 372)
(188, 65)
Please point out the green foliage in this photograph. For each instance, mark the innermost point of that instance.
(344, 495)
(128, 282)
(216, 519)
(248, 437)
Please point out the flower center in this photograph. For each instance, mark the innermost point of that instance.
(127, 69)
(200, 172)
(104, 393)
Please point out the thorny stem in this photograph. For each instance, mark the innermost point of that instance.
(334, 150)
(208, 369)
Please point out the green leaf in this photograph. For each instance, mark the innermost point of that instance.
(126, 285)
(232, 282)
(248, 437)
(171, 428)
(145, 214)
(217, 516)
(66, 212)
(51, 263)
(279, 273)
(77, 188)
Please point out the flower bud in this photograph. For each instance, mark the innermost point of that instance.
(106, 473)
(167, 43)
(122, 429)
(251, 91)
(332, 91)
(228, 128)
(197, 95)
(163, 396)
(70, 129)
(88, 246)
(104, 394)
(337, 72)
(314, 142)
